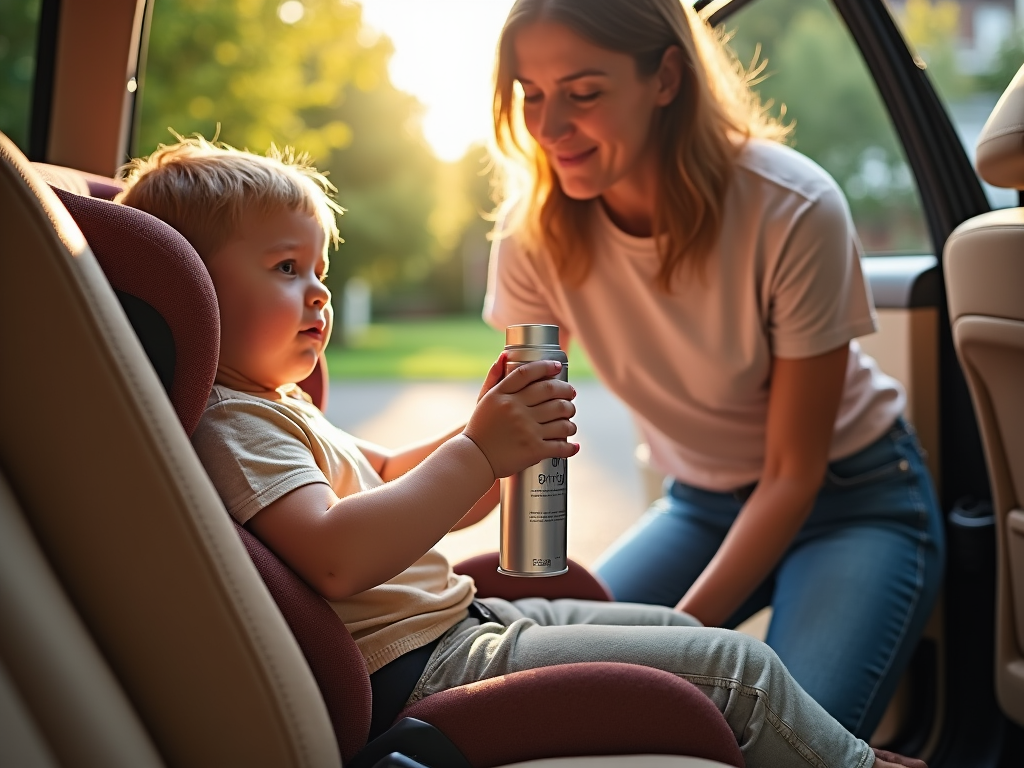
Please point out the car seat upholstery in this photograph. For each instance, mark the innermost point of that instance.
(79, 182)
(984, 264)
(130, 525)
(197, 650)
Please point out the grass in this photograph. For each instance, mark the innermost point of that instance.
(449, 348)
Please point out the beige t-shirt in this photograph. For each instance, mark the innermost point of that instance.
(694, 366)
(256, 450)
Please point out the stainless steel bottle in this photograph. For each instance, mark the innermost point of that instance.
(533, 502)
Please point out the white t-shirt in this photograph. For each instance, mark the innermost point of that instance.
(256, 449)
(694, 365)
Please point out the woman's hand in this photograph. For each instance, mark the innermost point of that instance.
(802, 406)
(524, 418)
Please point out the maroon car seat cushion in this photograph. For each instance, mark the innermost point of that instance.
(578, 583)
(330, 651)
(173, 281)
(316, 384)
(595, 708)
(79, 182)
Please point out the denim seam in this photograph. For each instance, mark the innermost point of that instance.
(886, 470)
(784, 729)
(918, 589)
(896, 434)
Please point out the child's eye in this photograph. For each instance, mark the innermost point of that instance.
(585, 97)
(532, 98)
(287, 267)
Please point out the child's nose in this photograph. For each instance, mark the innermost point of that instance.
(319, 295)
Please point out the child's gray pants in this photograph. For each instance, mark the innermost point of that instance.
(775, 722)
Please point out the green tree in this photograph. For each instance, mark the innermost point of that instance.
(305, 74)
(461, 223)
(19, 22)
(815, 78)
(931, 26)
(1007, 61)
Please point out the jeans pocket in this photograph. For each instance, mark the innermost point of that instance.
(883, 459)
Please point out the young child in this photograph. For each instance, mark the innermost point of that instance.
(358, 522)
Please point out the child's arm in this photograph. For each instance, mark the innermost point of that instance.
(391, 464)
(342, 547)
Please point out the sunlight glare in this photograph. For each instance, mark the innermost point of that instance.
(444, 56)
(291, 11)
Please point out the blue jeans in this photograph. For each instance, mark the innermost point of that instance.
(850, 596)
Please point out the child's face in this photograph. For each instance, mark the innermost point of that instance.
(275, 313)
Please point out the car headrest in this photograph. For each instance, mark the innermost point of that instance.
(1000, 155)
(164, 289)
(79, 182)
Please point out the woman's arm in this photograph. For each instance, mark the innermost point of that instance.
(345, 546)
(802, 407)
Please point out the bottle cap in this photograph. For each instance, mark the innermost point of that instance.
(531, 336)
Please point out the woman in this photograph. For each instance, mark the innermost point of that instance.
(713, 277)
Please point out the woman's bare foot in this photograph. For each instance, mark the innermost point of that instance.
(886, 759)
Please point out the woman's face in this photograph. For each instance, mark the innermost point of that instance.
(588, 109)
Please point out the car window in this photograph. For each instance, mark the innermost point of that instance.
(814, 77)
(19, 26)
(971, 51)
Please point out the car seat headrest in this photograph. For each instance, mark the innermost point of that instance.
(164, 289)
(79, 182)
(1000, 155)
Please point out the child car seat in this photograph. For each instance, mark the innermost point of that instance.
(144, 550)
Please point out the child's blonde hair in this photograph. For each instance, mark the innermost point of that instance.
(698, 135)
(203, 189)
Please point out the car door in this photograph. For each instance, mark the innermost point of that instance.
(864, 106)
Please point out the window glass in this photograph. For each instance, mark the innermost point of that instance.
(19, 26)
(971, 49)
(815, 79)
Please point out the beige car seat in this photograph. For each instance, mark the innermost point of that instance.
(984, 267)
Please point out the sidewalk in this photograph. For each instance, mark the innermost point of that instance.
(605, 490)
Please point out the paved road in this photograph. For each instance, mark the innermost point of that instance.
(605, 488)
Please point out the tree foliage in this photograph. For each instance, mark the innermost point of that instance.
(930, 26)
(1008, 61)
(816, 79)
(19, 20)
(306, 74)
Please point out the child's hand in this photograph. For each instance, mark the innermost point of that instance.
(494, 375)
(524, 418)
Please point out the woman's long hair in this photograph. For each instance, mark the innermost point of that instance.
(698, 135)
